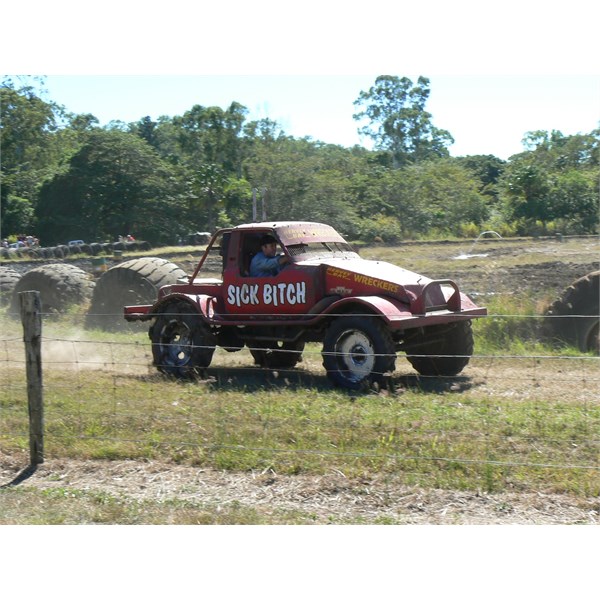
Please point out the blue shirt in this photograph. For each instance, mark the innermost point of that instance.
(264, 266)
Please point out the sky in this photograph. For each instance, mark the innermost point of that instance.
(496, 71)
(486, 114)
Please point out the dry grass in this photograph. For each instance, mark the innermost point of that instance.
(510, 440)
(67, 491)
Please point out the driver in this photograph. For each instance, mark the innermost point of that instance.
(267, 262)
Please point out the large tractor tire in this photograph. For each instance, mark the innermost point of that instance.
(129, 283)
(442, 350)
(60, 286)
(182, 345)
(358, 351)
(574, 317)
(8, 280)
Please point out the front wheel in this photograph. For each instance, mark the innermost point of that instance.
(358, 351)
(181, 344)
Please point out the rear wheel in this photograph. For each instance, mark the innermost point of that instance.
(277, 355)
(442, 350)
(182, 345)
(358, 351)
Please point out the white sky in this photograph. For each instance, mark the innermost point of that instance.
(496, 71)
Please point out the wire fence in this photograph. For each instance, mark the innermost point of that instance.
(507, 419)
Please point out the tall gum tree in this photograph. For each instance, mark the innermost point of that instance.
(398, 122)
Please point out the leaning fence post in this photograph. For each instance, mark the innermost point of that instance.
(31, 317)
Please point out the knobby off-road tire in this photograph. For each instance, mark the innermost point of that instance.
(129, 283)
(60, 286)
(8, 280)
(443, 350)
(574, 318)
(358, 351)
(277, 355)
(182, 346)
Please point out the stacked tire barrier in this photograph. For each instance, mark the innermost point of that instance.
(63, 251)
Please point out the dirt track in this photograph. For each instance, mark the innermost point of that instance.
(508, 266)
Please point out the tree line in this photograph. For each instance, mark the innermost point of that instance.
(63, 176)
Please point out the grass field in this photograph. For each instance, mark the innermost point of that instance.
(522, 419)
(511, 422)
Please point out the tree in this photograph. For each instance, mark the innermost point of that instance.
(28, 151)
(437, 195)
(212, 135)
(206, 193)
(399, 122)
(146, 129)
(573, 198)
(17, 216)
(487, 168)
(303, 180)
(557, 151)
(115, 184)
(556, 179)
(525, 191)
(84, 122)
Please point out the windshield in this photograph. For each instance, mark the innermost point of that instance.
(320, 250)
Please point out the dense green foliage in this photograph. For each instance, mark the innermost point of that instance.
(65, 177)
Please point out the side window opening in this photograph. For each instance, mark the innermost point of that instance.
(224, 249)
(249, 247)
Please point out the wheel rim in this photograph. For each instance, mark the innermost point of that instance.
(176, 344)
(355, 355)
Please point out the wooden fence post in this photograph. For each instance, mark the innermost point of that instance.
(31, 317)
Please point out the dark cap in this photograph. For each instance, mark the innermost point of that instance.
(267, 239)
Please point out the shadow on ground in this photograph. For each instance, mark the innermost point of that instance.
(250, 379)
(25, 474)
